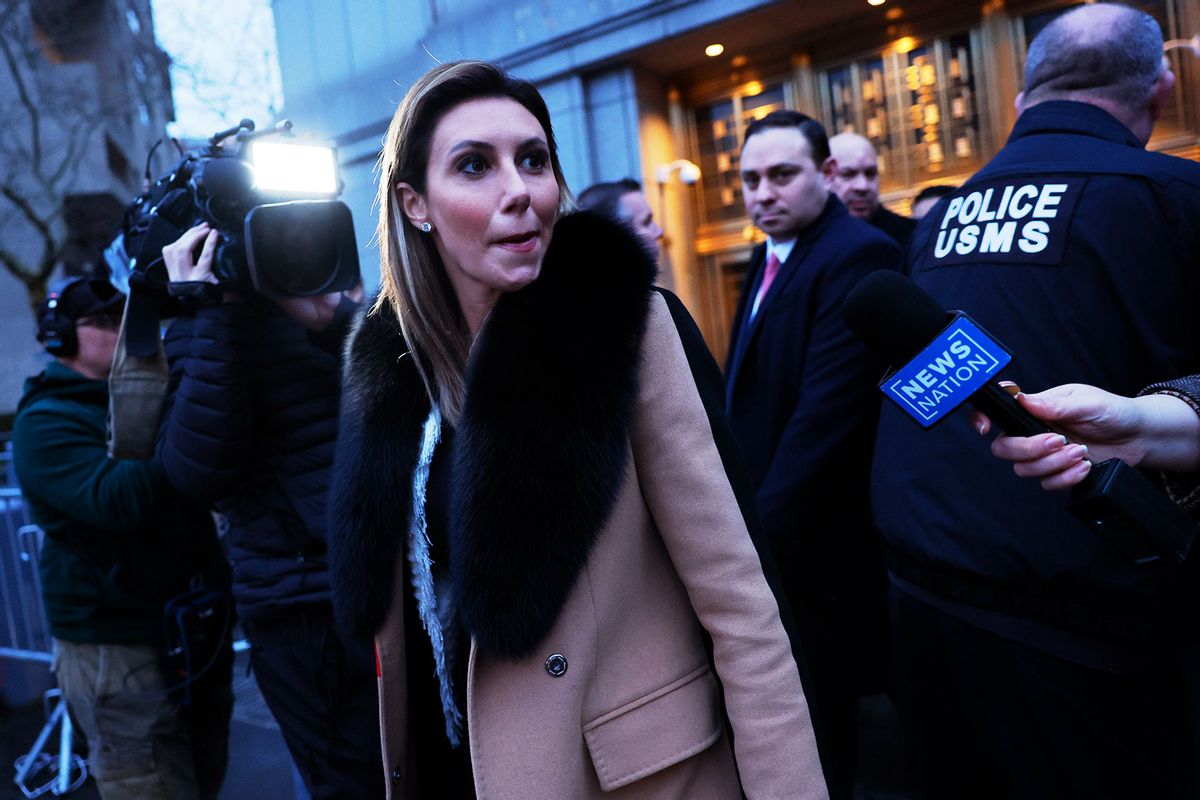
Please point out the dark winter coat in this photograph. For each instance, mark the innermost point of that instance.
(591, 518)
(802, 404)
(250, 425)
(119, 540)
(898, 227)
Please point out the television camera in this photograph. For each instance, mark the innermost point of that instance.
(281, 231)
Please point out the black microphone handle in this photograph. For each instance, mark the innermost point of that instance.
(1115, 500)
(1005, 412)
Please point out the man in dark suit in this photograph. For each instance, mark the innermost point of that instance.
(802, 403)
(856, 183)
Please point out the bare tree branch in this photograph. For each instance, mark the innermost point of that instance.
(27, 211)
(41, 155)
(35, 280)
(18, 76)
(78, 134)
(14, 264)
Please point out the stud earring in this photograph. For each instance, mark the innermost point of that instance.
(426, 227)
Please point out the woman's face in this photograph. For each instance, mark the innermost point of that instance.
(491, 196)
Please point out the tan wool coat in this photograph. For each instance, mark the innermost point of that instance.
(589, 674)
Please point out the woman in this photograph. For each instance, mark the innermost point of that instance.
(529, 510)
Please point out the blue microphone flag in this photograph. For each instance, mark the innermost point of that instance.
(956, 364)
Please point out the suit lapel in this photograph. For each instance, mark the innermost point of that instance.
(787, 275)
(747, 333)
(738, 333)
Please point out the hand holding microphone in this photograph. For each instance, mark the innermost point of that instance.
(1157, 431)
(944, 359)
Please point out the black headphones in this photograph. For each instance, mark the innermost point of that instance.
(55, 331)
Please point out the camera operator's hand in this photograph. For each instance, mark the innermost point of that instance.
(180, 258)
(315, 313)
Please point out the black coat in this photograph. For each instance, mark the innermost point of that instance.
(1096, 284)
(801, 389)
(802, 402)
(898, 227)
(249, 426)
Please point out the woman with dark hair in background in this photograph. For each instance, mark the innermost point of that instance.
(529, 509)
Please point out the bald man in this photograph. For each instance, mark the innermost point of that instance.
(856, 182)
(1035, 657)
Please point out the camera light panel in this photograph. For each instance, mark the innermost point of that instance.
(294, 168)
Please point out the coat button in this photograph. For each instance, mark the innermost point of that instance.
(396, 776)
(556, 665)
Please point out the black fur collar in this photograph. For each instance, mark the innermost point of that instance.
(539, 454)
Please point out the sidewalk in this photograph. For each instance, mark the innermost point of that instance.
(259, 765)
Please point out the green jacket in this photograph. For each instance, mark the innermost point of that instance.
(119, 541)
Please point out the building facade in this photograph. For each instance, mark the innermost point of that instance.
(85, 94)
(635, 86)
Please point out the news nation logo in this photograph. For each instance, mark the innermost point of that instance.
(953, 367)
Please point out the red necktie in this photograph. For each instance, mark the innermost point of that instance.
(768, 276)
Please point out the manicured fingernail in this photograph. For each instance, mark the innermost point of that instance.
(1055, 443)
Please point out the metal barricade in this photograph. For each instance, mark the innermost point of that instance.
(24, 633)
(67, 771)
(25, 636)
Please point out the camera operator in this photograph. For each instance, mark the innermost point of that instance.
(119, 544)
(249, 425)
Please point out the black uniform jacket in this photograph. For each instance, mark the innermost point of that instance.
(1077, 249)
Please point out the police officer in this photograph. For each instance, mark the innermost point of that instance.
(1033, 658)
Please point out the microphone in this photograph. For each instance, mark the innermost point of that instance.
(948, 360)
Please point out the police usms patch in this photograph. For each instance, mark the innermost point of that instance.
(1007, 221)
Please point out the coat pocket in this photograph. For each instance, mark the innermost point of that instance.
(656, 731)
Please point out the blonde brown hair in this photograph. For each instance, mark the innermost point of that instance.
(412, 278)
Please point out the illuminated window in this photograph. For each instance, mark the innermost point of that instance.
(855, 98)
(720, 127)
(916, 103)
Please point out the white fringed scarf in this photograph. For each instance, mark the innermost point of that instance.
(422, 576)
